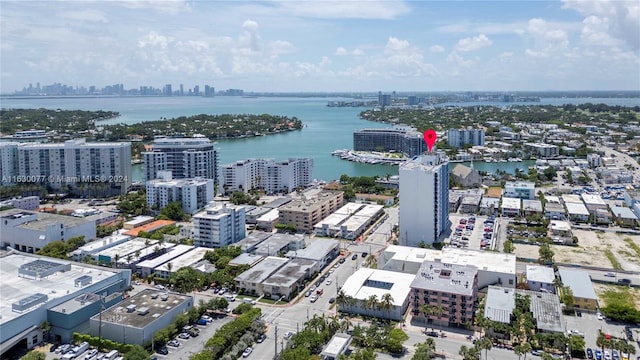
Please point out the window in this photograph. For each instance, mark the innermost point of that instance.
(510, 281)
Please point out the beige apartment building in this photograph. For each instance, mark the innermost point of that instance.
(305, 213)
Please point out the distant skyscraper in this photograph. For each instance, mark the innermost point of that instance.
(184, 157)
(384, 99)
(196, 90)
(181, 90)
(424, 199)
(167, 90)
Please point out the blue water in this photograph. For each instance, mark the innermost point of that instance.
(326, 129)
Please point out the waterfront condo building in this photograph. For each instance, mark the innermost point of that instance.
(402, 139)
(184, 157)
(194, 194)
(86, 169)
(459, 137)
(306, 212)
(273, 177)
(424, 199)
(444, 294)
(219, 226)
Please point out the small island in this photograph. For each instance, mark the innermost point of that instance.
(58, 123)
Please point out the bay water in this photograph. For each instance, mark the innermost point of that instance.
(325, 128)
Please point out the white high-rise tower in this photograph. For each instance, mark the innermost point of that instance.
(424, 199)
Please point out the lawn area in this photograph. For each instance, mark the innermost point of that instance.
(608, 294)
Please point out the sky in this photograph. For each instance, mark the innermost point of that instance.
(320, 45)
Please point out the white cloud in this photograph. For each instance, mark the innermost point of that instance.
(342, 51)
(436, 49)
(331, 9)
(595, 32)
(395, 45)
(458, 60)
(473, 43)
(85, 15)
(153, 39)
(622, 17)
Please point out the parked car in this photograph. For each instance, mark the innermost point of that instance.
(536, 352)
(364, 254)
(332, 300)
(247, 352)
(262, 338)
(313, 298)
(288, 334)
(308, 293)
(201, 321)
(53, 347)
(91, 354)
(184, 336)
(355, 256)
(329, 282)
(341, 261)
(589, 353)
(174, 343)
(163, 350)
(610, 274)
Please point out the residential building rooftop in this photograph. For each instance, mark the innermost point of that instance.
(262, 270)
(579, 282)
(366, 282)
(446, 277)
(542, 274)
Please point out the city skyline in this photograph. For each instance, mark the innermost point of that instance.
(323, 45)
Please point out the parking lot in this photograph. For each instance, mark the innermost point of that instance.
(589, 325)
(474, 232)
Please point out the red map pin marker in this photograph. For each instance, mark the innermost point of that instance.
(430, 138)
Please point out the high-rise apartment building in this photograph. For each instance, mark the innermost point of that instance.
(424, 199)
(404, 139)
(194, 194)
(219, 226)
(184, 157)
(88, 169)
(384, 99)
(469, 136)
(272, 177)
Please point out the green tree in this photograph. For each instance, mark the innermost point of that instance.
(186, 279)
(522, 349)
(577, 344)
(508, 247)
(484, 344)
(360, 354)
(425, 350)
(467, 353)
(545, 254)
(395, 341)
(136, 353)
(567, 296)
(34, 355)
(56, 249)
(173, 211)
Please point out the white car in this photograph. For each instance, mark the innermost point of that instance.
(247, 352)
(288, 335)
(600, 316)
(329, 281)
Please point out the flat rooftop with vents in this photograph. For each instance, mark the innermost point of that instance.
(137, 318)
(30, 285)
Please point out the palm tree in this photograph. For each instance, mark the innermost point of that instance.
(116, 258)
(386, 303)
(484, 344)
(333, 324)
(522, 349)
(433, 310)
(372, 302)
(341, 299)
(345, 324)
